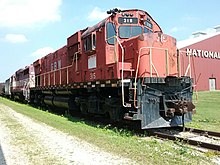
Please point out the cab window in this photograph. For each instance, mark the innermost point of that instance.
(87, 43)
(149, 24)
(93, 41)
(111, 32)
(129, 31)
(146, 30)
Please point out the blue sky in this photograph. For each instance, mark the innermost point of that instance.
(32, 28)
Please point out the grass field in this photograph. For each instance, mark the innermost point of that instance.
(143, 150)
(207, 116)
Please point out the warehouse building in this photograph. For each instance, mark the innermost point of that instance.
(200, 59)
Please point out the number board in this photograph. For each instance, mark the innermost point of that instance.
(123, 20)
(149, 24)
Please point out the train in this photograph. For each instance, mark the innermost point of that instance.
(124, 68)
(2, 89)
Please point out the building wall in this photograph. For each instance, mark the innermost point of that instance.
(205, 62)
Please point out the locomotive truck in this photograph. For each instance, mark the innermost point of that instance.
(122, 68)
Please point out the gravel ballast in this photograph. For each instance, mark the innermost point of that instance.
(25, 141)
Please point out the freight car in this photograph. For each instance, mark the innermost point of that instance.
(123, 68)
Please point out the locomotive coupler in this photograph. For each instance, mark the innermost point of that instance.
(180, 108)
(183, 107)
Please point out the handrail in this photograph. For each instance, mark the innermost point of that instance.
(188, 69)
(122, 67)
(56, 70)
(122, 73)
(151, 65)
(167, 62)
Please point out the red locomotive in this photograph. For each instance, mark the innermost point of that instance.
(123, 68)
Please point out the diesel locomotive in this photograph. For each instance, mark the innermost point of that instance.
(122, 68)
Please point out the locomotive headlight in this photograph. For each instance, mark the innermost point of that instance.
(142, 21)
(127, 14)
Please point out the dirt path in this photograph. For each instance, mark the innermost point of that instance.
(25, 141)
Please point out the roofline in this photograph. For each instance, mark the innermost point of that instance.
(191, 41)
(89, 29)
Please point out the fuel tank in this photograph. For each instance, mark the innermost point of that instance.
(57, 101)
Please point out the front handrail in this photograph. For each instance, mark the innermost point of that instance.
(188, 69)
(151, 67)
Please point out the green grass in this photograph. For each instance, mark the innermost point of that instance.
(207, 115)
(119, 142)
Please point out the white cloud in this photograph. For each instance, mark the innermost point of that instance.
(42, 52)
(15, 38)
(97, 14)
(26, 13)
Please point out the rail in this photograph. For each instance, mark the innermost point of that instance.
(192, 139)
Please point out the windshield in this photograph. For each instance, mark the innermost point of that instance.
(129, 31)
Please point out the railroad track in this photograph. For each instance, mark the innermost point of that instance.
(195, 137)
(190, 136)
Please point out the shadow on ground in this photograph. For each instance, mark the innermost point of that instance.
(2, 158)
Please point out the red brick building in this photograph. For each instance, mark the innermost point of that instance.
(200, 59)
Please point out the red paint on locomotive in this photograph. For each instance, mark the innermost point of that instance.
(92, 55)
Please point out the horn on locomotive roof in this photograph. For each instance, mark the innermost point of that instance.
(113, 11)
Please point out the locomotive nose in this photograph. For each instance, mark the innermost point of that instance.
(173, 106)
(157, 55)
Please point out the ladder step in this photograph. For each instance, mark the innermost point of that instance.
(133, 112)
(130, 70)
